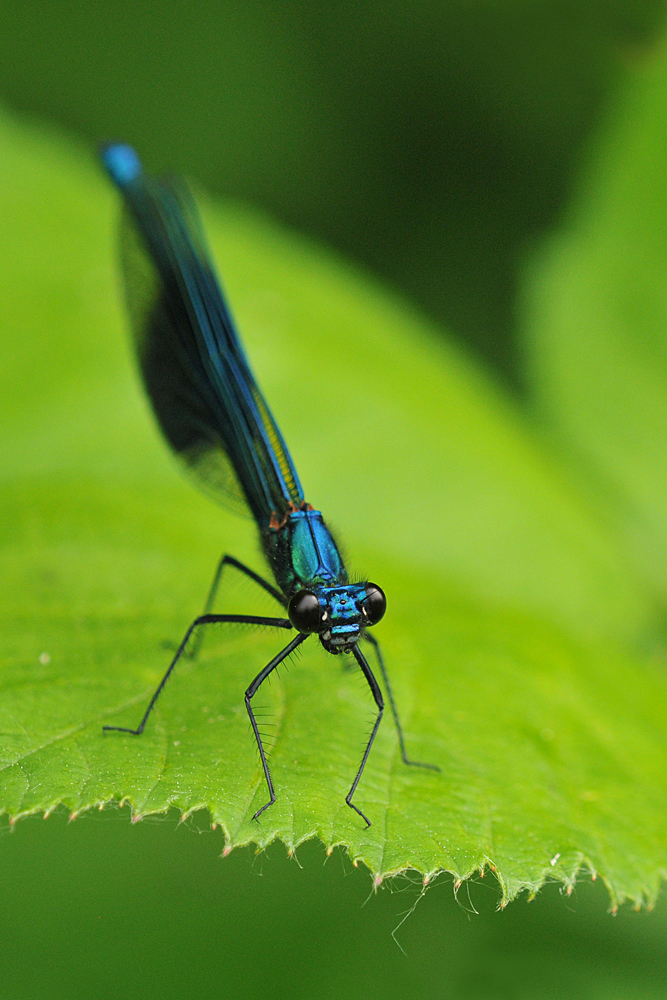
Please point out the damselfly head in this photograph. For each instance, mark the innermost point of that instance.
(337, 614)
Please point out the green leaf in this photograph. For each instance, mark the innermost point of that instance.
(509, 604)
(596, 321)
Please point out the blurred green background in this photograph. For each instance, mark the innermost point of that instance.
(100, 908)
(434, 143)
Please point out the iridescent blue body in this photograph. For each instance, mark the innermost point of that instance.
(216, 420)
(208, 436)
(304, 556)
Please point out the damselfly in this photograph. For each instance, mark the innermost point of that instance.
(216, 420)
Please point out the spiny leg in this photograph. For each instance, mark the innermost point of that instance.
(201, 620)
(227, 560)
(377, 697)
(250, 694)
(399, 729)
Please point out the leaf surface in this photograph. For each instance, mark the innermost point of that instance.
(512, 609)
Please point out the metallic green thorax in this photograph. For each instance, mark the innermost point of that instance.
(303, 554)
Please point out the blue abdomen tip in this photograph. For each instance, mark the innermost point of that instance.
(122, 163)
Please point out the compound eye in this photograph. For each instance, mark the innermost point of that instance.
(375, 604)
(305, 612)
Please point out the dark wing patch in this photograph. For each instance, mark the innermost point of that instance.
(179, 392)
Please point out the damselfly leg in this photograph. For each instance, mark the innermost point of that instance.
(399, 729)
(250, 694)
(198, 622)
(227, 560)
(379, 701)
